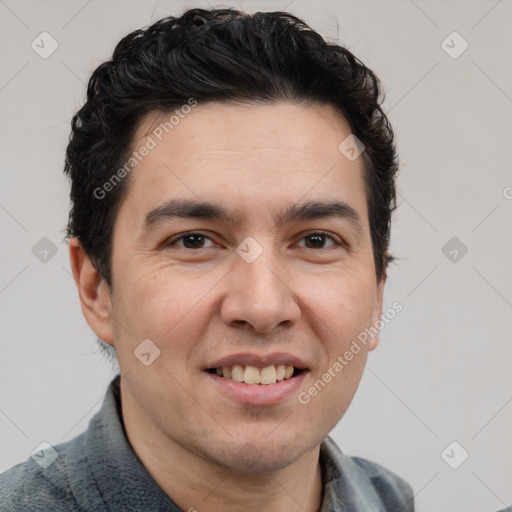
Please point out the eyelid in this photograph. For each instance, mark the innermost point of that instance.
(177, 238)
(338, 241)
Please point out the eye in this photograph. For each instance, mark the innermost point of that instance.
(191, 240)
(197, 240)
(317, 240)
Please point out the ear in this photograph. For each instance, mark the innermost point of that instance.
(93, 293)
(377, 312)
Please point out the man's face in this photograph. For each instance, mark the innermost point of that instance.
(288, 295)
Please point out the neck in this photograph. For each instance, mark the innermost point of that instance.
(196, 484)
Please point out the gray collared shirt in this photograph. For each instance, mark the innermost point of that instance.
(99, 471)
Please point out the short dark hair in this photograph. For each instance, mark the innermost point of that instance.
(219, 55)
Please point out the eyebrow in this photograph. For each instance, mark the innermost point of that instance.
(193, 209)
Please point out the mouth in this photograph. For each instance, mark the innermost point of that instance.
(255, 375)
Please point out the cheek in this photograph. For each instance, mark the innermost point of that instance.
(159, 296)
(347, 309)
(344, 305)
(326, 399)
(165, 306)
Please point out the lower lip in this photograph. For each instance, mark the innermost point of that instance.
(259, 394)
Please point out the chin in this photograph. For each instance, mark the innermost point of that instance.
(264, 455)
(252, 461)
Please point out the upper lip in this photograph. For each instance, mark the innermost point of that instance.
(258, 360)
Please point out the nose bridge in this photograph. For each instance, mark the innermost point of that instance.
(261, 277)
(259, 294)
(257, 264)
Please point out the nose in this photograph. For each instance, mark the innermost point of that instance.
(260, 296)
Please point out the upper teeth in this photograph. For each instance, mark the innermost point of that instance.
(254, 375)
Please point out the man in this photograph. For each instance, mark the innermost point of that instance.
(232, 187)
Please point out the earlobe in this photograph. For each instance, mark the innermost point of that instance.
(92, 291)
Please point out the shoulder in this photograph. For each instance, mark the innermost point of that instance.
(393, 490)
(369, 485)
(37, 486)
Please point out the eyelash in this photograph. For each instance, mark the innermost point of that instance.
(172, 241)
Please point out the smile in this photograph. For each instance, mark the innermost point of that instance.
(254, 375)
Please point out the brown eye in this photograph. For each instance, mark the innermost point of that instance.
(190, 241)
(317, 240)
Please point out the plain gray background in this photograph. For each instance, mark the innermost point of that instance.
(442, 370)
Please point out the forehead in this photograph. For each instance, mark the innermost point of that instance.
(279, 125)
(247, 154)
